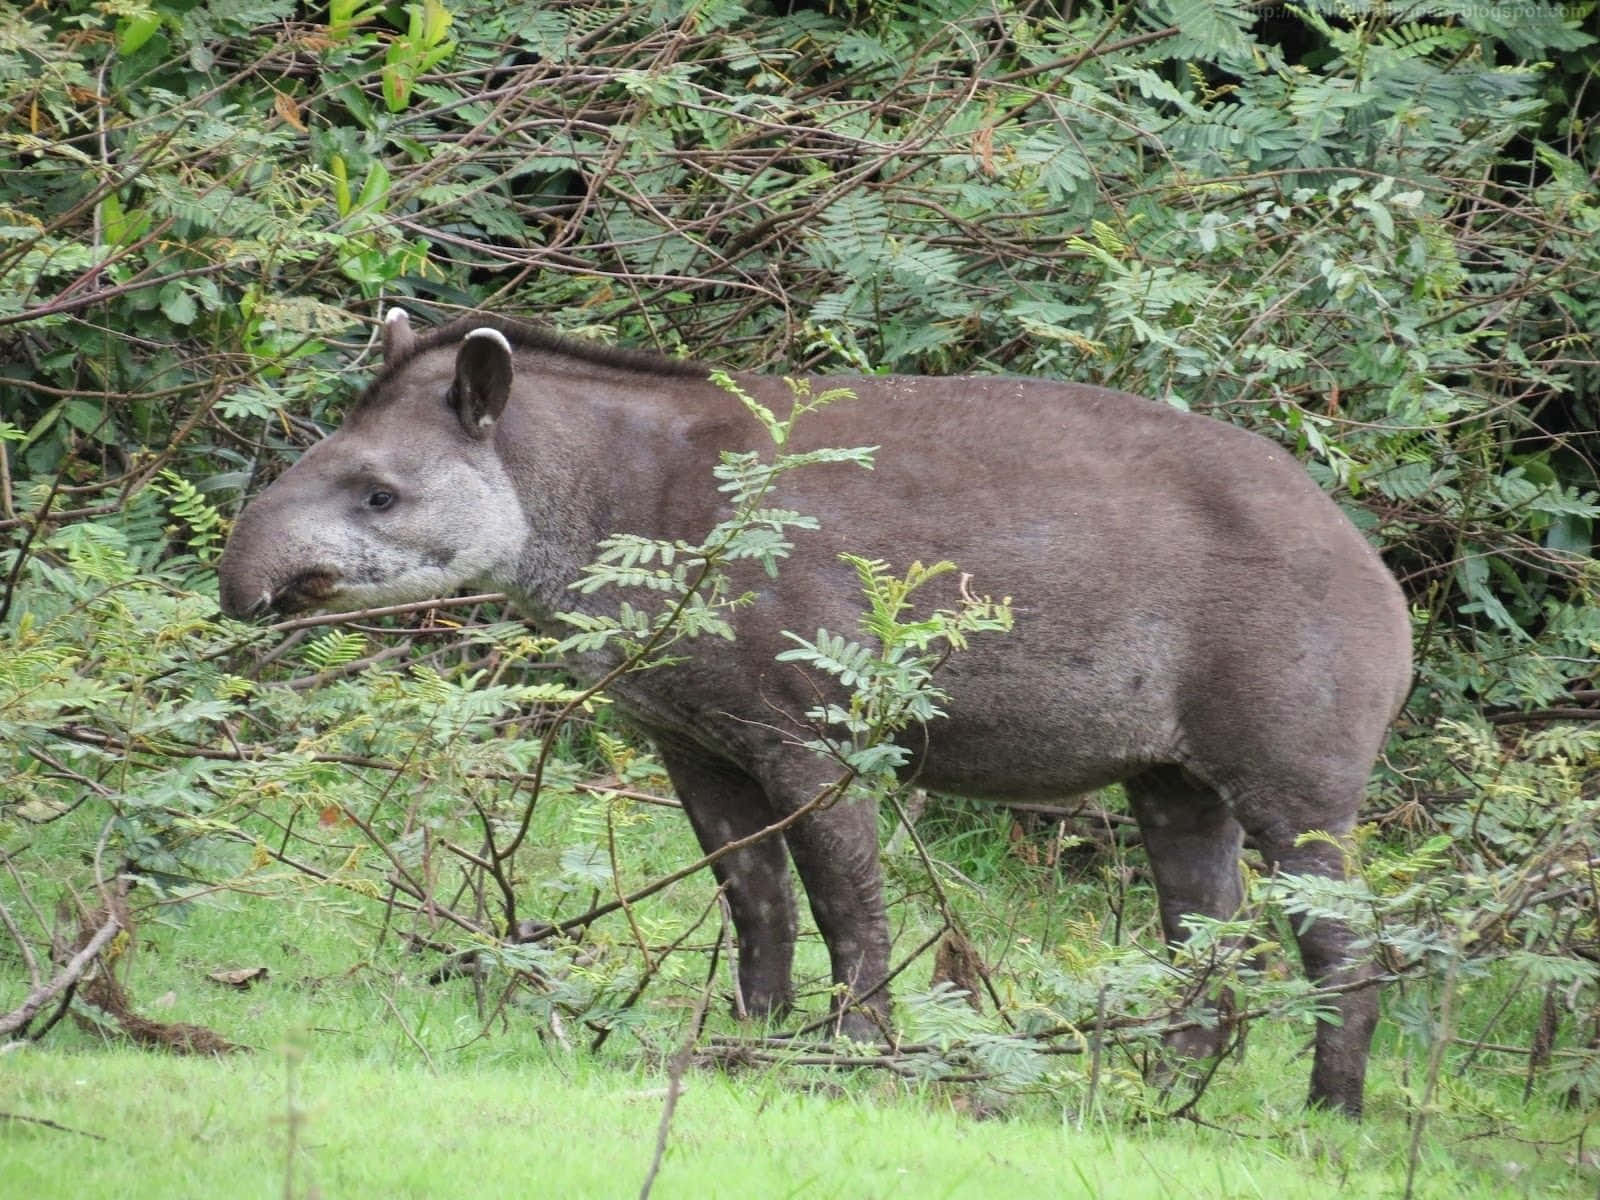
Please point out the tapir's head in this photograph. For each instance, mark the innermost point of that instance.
(407, 501)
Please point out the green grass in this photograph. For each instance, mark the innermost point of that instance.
(398, 1095)
(405, 1089)
(188, 1128)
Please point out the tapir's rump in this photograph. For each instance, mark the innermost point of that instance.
(1194, 617)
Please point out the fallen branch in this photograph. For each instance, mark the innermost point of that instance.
(20, 1017)
(910, 1060)
(387, 610)
(1565, 713)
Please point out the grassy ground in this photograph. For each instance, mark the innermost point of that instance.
(394, 1090)
(189, 1128)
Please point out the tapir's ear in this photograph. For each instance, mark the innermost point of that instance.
(398, 339)
(483, 380)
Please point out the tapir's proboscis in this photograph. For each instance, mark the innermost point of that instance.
(1194, 617)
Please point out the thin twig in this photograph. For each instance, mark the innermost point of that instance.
(49, 1124)
(410, 1037)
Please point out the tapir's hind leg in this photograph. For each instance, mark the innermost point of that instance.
(1193, 839)
(1193, 844)
(1325, 948)
(726, 805)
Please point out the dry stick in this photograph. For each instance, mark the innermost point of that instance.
(19, 1017)
(69, 514)
(35, 524)
(1185, 1111)
(1544, 714)
(63, 1006)
(410, 1037)
(718, 900)
(951, 921)
(739, 1010)
(679, 1064)
(616, 886)
(49, 1124)
(26, 950)
(1435, 1063)
(65, 772)
(344, 670)
(387, 610)
(1481, 1042)
(23, 892)
(90, 299)
(1478, 1046)
(7, 508)
(1096, 1049)
(869, 993)
(1544, 1036)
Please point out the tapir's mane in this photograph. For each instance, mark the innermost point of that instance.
(524, 335)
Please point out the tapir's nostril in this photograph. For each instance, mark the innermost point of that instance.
(305, 590)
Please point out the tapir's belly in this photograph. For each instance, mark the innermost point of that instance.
(1000, 752)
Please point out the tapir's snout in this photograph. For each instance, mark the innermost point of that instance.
(244, 591)
(249, 593)
(265, 568)
(307, 590)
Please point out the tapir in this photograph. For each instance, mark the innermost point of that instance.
(1193, 616)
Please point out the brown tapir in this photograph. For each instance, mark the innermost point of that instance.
(1194, 617)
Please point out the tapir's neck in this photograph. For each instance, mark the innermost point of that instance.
(616, 453)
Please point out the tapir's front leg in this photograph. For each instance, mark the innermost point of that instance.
(835, 850)
(726, 805)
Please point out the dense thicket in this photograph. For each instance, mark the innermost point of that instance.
(1369, 233)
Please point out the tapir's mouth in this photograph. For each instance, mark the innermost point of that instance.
(309, 589)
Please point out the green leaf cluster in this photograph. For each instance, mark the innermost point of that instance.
(889, 680)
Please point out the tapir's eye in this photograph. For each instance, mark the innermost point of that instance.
(379, 498)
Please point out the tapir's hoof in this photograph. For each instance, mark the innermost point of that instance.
(762, 1006)
(1345, 1098)
(1348, 1108)
(859, 1025)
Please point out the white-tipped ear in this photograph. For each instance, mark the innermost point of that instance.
(483, 331)
(483, 380)
(398, 337)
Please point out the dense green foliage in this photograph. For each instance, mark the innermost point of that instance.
(1371, 235)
